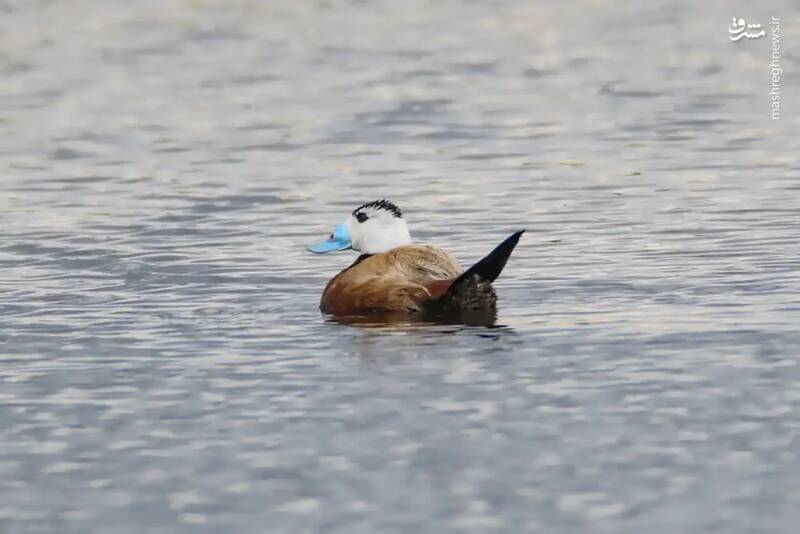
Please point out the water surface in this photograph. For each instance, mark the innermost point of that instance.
(163, 363)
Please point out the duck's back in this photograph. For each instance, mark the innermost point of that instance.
(399, 280)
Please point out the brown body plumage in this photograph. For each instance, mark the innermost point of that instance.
(405, 279)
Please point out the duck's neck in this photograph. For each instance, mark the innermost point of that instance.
(361, 258)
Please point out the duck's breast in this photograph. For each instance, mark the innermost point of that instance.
(398, 280)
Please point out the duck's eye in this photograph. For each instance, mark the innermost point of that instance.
(361, 216)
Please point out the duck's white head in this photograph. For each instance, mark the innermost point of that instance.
(372, 228)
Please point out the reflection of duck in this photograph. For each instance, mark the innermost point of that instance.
(393, 275)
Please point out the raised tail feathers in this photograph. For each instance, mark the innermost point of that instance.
(472, 291)
(490, 267)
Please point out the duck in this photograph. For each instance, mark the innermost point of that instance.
(394, 275)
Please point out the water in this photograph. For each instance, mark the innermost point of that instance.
(164, 366)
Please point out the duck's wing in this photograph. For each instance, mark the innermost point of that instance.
(424, 264)
(401, 279)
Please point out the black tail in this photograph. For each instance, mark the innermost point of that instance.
(490, 267)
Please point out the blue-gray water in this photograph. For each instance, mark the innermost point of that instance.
(163, 363)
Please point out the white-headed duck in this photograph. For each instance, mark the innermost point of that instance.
(393, 275)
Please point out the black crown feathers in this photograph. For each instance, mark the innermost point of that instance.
(381, 204)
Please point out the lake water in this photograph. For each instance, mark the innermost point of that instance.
(163, 363)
